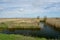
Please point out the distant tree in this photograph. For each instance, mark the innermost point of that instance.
(38, 17)
(57, 18)
(45, 18)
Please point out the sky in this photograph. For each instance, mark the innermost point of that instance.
(29, 8)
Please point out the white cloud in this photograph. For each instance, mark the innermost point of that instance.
(29, 6)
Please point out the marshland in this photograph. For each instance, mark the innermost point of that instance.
(37, 28)
(29, 19)
(54, 22)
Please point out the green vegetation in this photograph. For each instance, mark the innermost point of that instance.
(3, 25)
(18, 37)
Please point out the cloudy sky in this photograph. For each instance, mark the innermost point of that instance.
(29, 8)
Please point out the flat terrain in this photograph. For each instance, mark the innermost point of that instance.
(27, 22)
(19, 23)
(18, 37)
(55, 22)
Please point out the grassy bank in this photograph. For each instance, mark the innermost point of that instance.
(18, 37)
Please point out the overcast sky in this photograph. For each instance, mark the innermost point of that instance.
(29, 8)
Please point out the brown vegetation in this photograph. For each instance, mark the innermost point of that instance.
(19, 23)
(54, 22)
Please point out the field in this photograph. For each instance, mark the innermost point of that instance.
(19, 23)
(22, 23)
(18, 37)
(27, 22)
(54, 22)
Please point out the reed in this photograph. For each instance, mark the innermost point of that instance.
(54, 22)
(20, 23)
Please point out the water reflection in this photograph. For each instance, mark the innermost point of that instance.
(48, 31)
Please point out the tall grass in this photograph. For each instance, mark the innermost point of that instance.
(3, 25)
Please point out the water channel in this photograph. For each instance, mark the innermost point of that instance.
(45, 31)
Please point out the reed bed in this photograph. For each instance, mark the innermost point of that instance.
(20, 23)
(53, 22)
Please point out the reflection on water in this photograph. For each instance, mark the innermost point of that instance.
(45, 31)
(48, 31)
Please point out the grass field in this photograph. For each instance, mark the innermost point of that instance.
(19, 23)
(27, 22)
(18, 37)
(24, 23)
(54, 22)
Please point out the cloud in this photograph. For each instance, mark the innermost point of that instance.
(28, 7)
(53, 5)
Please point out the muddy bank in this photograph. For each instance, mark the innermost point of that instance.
(13, 29)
